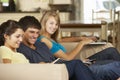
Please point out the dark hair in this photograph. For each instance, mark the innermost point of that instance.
(29, 21)
(8, 28)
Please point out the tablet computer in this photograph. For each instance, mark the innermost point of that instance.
(58, 61)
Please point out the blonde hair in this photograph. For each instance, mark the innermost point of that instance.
(44, 19)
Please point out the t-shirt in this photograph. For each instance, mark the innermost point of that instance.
(40, 54)
(55, 46)
(15, 57)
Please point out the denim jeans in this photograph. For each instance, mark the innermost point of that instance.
(110, 71)
(106, 54)
(107, 66)
(78, 71)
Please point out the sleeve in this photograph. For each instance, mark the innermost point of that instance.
(54, 49)
(5, 53)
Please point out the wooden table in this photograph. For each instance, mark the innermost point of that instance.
(83, 26)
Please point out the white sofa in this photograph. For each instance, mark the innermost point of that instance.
(45, 71)
(33, 72)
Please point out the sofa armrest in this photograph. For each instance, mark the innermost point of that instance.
(33, 72)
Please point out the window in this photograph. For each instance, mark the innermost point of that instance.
(98, 4)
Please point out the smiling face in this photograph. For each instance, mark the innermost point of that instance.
(31, 35)
(51, 25)
(50, 22)
(13, 41)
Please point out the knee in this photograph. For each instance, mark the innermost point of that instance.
(111, 49)
(109, 73)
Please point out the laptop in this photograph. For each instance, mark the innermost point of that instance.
(97, 43)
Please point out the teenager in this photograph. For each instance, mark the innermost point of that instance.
(38, 52)
(50, 22)
(50, 28)
(11, 35)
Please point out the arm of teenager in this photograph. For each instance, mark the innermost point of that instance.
(42, 62)
(76, 39)
(70, 55)
(6, 61)
(70, 39)
(5, 55)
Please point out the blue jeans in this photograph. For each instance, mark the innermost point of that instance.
(110, 71)
(78, 71)
(107, 66)
(106, 54)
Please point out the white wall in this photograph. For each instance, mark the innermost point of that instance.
(88, 5)
(32, 5)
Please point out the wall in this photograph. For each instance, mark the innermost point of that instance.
(32, 5)
(17, 16)
(26, 6)
(61, 1)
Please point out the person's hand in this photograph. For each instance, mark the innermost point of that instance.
(42, 62)
(118, 78)
(86, 41)
(93, 38)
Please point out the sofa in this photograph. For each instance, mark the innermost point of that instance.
(46, 71)
(33, 72)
